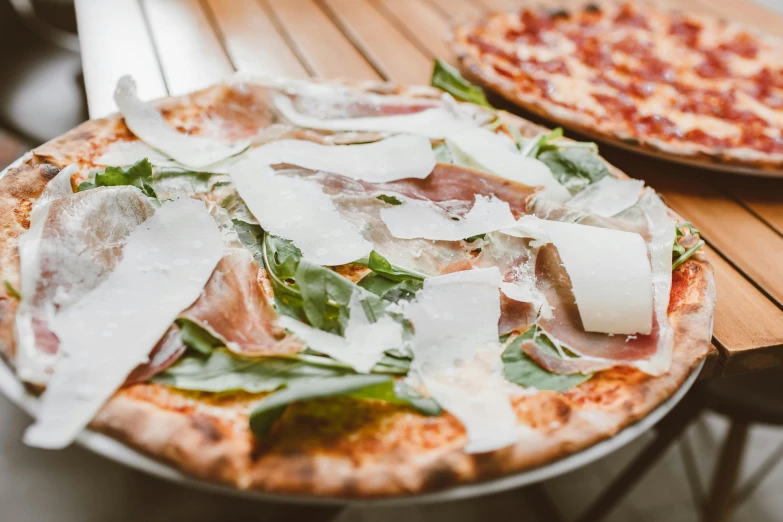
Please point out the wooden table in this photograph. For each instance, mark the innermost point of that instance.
(172, 47)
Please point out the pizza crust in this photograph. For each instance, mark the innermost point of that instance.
(343, 447)
(731, 158)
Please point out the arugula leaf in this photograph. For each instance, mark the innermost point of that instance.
(138, 175)
(387, 280)
(386, 366)
(375, 387)
(678, 250)
(10, 290)
(391, 200)
(306, 290)
(380, 265)
(518, 138)
(196, 337)
(269, 409)
(447, 78)
(223, 371)
(252, 237)
(532, 146)
(190, 182)
(521, 369)
(574, 168)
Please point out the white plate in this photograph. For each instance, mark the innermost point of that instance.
(118, 452)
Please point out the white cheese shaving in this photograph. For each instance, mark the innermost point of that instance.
(148, 125)
(422, 219)
(124, 153)
(486, 150)
(32, 363)
(434, 123)
(398, 157)
(166, 262)
(609, 270)
(457, 355)
(298, 210)
(518, 291)
(364, 343)
(608, 196)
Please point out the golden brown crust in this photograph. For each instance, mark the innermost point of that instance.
(477, 68)
(344, 447)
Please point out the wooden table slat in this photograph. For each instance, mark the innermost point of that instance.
(422, 23)
(107, 55)
(325, 49)
(745, 319)
(381, 42)
(252, 41)
(761, 196)
(190, 52)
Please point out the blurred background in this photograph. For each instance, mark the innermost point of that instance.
(41, 96)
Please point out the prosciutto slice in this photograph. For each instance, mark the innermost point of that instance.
(81, 242)
(650, 353)
(233, 308)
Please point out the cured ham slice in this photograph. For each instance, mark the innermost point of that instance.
(165, 354)
(80, 243)
(650, 353)
(233, 308)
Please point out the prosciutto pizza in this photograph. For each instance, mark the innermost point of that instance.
(341, 289)
(687, 87)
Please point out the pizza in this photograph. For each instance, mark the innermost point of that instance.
(684, 86)
(341, 289)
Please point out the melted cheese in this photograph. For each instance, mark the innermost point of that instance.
(494, 153)
(364, 343)
(434, 123)
(610, 273)
(608, 197)
(148, 125)
(456, 354)
(108, 332)
(298, 210)
(392, 159)
(420, 219)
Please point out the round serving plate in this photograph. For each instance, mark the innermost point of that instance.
(114, 450)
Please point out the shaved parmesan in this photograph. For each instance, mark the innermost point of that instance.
(364, 343)
(492, 152)
(398, 157)
(436, 123)
(456, 354)
(518, 291)
(148, 125)
(608, 196)
(609, 270)
(166, 262)
(421, 219)
(124, 153)
(298, 210)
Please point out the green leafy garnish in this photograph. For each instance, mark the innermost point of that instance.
(222, 371)
(574, 168)
(391, 200)
(138, 175)
(389, 281)
(376, 387)
(543, 141)
(447, 78)
(305, 290)
(521, 369)
(196, 337)
(10, 290)
(679, 253)
(252, 237)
